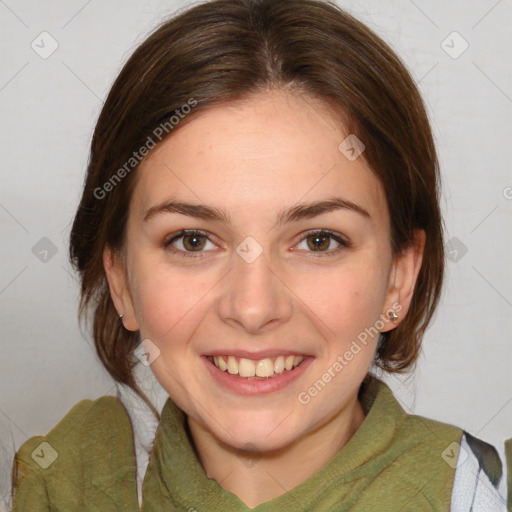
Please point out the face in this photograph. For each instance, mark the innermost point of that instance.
(262, 282)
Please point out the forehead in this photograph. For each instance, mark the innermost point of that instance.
(272, 150)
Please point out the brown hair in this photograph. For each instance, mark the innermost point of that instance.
(224, 50)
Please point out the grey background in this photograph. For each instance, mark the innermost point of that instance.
(48, 108)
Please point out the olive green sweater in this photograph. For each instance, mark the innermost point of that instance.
(394, 462)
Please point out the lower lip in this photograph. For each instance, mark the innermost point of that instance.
(245, 386)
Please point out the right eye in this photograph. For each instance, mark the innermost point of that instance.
(192, 241)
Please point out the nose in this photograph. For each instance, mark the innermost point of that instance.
(256, 298)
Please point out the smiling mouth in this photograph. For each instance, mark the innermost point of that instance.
(267, 368)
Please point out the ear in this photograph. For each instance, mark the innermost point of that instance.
(119, 289)
(402, 280)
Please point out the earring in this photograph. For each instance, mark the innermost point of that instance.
(393, 316)
(121, 317)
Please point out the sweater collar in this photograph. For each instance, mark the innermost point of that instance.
(182, 479)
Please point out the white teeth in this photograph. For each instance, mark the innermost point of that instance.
(263, 368)
(246, 368)
(279, 365)
(232, 365)
(297, 360)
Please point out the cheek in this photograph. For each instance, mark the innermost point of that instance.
(348, 299)
(168, 299)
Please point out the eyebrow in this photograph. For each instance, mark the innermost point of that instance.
(293, 214)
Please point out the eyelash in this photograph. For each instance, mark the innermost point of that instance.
(167, 243)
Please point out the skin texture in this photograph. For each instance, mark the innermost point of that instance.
(253, 159)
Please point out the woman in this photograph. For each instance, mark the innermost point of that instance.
(259, 228)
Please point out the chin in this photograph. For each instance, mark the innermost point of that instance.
(243, 433)
(260, 443)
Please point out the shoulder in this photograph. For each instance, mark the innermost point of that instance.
(87, 420)
(469, 468)
(472, 458)
(86, 445)
(450, 444)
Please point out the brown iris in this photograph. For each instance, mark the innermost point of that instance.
(316, 237)
(196, 243)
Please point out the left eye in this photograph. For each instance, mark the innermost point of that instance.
(194, 242)
(318, 242)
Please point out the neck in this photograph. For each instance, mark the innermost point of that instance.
(259, 477)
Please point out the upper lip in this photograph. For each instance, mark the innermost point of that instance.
(261, 354)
